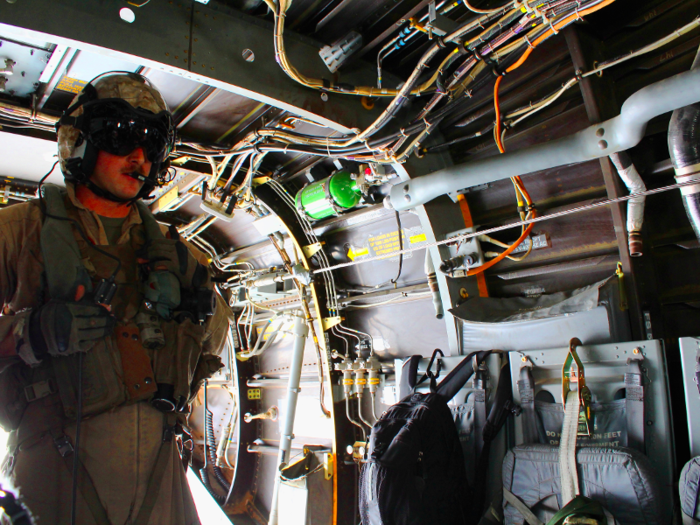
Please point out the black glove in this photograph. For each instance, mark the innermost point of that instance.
(173, 256)
(60, 328)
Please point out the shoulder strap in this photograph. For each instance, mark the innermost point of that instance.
(409, 371)
(58, 244)
(526, 388)
(150, 225)
(501, 408)
(634, 404)
(524, 510)
(460, 374)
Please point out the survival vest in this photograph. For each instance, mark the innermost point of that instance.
(119, 369)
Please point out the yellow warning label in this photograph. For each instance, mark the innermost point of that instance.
(354, 253)
(413, 239)
(72, 85)
(385, 243)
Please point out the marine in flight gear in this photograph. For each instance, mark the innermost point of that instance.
(108, 331)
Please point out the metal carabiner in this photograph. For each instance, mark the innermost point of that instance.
(585, 421)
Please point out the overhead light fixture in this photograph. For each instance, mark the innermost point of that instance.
(127, 15)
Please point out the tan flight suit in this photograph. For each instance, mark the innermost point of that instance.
(119, 445)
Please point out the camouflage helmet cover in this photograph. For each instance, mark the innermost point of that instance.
(133, 88)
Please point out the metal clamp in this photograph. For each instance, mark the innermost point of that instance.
(585, 422)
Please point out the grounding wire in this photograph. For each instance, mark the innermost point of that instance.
(540, 218)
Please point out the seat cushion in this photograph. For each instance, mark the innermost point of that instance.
(621, 479)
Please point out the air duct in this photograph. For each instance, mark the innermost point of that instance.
(684, 148)
(599, 140)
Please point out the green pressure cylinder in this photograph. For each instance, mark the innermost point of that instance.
(329, 196)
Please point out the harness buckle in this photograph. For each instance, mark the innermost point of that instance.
(63, 445)
(39, 390)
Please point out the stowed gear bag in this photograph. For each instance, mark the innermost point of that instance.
(415, 471)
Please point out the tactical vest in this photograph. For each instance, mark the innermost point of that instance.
(118, 370)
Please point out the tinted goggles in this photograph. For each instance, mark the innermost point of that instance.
(116, 127)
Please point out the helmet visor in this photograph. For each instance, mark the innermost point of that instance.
(118, 128)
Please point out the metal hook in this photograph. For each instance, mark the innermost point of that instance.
(585, 422)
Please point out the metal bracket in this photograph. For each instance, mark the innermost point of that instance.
(312, 249)
(328, 465)
(329, 322)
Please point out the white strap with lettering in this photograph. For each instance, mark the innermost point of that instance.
(567, 449)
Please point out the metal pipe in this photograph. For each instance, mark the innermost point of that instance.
(635, 207)
(600, 140)
(278, 383)
(300, 331)
(270, 450)
(429, 269)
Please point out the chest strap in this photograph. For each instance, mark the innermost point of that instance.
(87, 487)
(58, 244)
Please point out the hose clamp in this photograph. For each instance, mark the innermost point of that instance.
(690, 175)
(687, 170)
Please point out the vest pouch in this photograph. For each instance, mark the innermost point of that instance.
(103, 387)
(174, 364)
(13, 400)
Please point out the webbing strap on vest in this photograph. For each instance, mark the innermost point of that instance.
(87, 487)
(154, 481)
(150, 225)
(58, 244)
(526, 388)
(634, 404)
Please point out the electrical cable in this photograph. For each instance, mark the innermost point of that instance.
(485, 11)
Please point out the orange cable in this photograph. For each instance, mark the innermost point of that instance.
(497, 107)
(519, 182)
(503, 255)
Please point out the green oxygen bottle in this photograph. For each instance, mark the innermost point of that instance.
(329, 196)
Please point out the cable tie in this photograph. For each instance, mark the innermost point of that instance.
(468, 93)
(529, 44)
(440, 42)
(551, 25)
(403, 134)
(578, 76)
